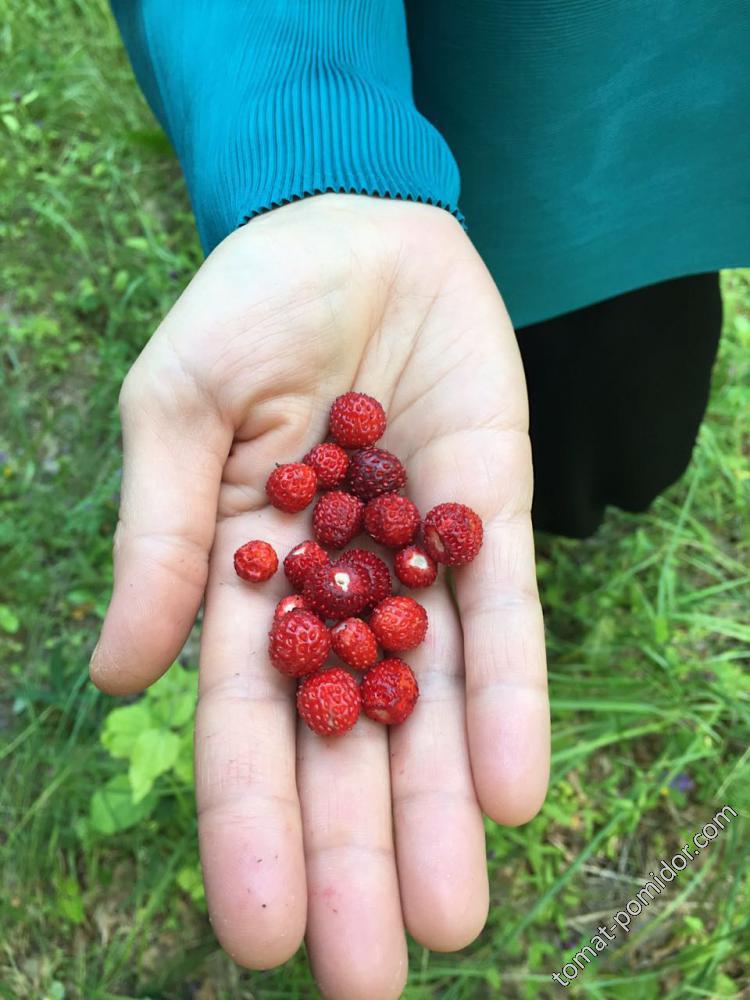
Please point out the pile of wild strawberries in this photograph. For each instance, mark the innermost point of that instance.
(354, 591)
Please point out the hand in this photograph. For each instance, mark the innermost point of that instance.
(345, 840)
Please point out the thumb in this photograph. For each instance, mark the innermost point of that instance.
(175, 445)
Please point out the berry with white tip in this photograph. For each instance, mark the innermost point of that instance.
(415, 567)
(452, 534)
(301, 560)
(337, 591)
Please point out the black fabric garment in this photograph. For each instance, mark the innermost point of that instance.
(617, 392)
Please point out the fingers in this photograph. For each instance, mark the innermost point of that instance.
(355, 933)
(174, 449)
(507, 710)
(249, 818)
(438, 824)
(506, 678)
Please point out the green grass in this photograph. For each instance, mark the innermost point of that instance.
(648, 632)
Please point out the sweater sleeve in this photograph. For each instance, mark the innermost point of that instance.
(269, 101)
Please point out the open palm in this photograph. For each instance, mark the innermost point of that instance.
(343, 840)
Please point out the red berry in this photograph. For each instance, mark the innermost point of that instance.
(299, 643)
(376, 570)
(255, 561)
(329, 462)
(399, 623)
(391, 520)
(337, 518)
(389, 691)
(291, 487)
(301, 560)
(452, 534)
(356, 420)
(329, 701)
(374, 471)
(415, 567)
(292, 602)
(355, 643)
(337, 591)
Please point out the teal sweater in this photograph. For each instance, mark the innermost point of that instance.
(601, 145)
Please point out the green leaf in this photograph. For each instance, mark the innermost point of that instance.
(123, 726)
(69, 900)
(154, 752)
(183, 766)
(113, 807)
(176, 710)
(8, 620)
(136, 243)
(190, 880)
(172, 698)
(152, 139)
(661, 629)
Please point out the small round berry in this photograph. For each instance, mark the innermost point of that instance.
(330, 463)
(299, 643)
(355, 643)
(301, 560)
(377, 573)
(356, 420)
(337, 518)
(255, 561)
(291, 487)
(452, 534)
(399, 623)
(374, 471)
(292, 602)
(337, 591)
(389, 691)
(391, 520)
(414, 567)
(329, 701)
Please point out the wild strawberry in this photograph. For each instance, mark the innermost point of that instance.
(336, 591)
(329, 701)
(376, 570)
(374, 471)
(415, 567)
(255, 561)
(299, 643)
(292, 602)
(399, 623)
(301, 560)
(389, 691)
(391, 520)
(355, 643)
(291, 487)
(329, 462)
(337, 518)
(452, 534)
(356, 420)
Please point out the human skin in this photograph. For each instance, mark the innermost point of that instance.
(346, 840)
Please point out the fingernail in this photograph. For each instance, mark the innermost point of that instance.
(93, 653)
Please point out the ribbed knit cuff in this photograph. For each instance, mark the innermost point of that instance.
(269, 102)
